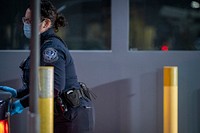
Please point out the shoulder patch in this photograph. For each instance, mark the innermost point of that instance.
(50, 55)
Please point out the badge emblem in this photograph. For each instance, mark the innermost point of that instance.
(50, 55)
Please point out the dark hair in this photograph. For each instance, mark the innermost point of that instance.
(49, 11)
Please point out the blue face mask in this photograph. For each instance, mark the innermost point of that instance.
(27, 30)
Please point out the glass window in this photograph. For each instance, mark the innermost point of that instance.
(11, 34)
(88, 24)
(164, 25)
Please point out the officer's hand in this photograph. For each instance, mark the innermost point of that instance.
(9, 89)
(16, 108)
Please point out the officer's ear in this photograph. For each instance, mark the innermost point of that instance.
(45, 25)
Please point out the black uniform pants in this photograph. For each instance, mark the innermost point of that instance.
(75, 120)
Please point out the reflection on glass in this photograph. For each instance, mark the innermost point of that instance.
(11, 33)
(166, 24)
(88, 24)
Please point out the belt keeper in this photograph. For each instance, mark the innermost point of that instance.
(80, 93)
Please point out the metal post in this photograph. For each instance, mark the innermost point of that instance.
(46, 99)
(170, 100)
(34, 74)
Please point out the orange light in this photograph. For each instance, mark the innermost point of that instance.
(3, 126)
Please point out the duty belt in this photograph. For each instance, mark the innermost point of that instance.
(71, 98)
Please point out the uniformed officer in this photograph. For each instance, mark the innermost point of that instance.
(77, 115)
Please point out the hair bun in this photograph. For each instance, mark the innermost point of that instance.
(59, 22)
(48, 10)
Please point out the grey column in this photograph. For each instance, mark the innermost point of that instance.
(34, 72)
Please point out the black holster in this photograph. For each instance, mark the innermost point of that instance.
(71, 98)
(85, 90)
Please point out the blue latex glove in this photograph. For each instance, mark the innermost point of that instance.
(9, 89)
(17, 108)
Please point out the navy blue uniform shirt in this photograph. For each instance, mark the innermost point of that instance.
(53, 52)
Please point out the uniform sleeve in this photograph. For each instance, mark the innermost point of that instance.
(25, 101)
(23, 94)
(55, 57)
(24, 90)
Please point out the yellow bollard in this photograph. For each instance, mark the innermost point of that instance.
(170, 100)
(46, 99)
